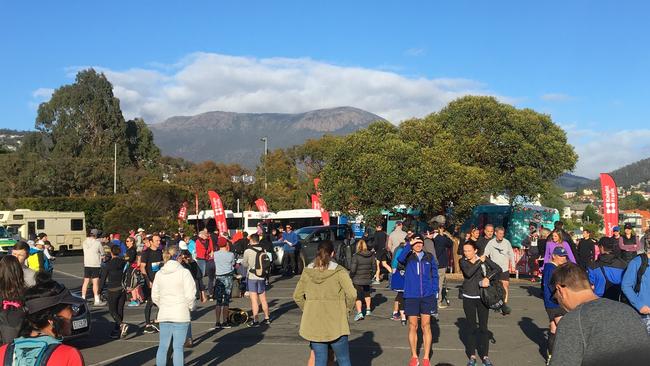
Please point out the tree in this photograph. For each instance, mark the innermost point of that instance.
(591, 216)
(634, 201)
(553, 198)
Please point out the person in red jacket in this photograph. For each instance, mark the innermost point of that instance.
(205, 256)
(49, 314)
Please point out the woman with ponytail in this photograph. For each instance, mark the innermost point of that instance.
(326, 296)
(174, 292)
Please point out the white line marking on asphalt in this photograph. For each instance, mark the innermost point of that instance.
(106, 362)
(68, 274)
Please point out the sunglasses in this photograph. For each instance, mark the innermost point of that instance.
(554, 292)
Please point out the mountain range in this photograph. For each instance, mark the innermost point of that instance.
(236, 137)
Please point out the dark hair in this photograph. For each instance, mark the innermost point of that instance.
(472, 243)
(570, 275)
(45, 286)
(245, 234)
(324, 255)
(116, 250)
(12, 280)
(499, 228)
(255, 238)
(21, 245)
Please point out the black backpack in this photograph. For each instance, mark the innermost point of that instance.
(492, 296)
(262, 263)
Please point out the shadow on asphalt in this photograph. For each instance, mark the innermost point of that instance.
(464, 333)
(534, 333)
(368, 349)
(533, 290)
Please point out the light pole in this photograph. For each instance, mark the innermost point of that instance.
(245, 179)
(265, 139)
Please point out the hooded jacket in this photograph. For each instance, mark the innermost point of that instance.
(325, 298)
(174, 292)
(421, 275)
(612, 267)
(362, 268)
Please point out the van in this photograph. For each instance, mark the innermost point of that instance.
(65, 230)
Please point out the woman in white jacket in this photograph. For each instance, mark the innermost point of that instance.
(174, 293)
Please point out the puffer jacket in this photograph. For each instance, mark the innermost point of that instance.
(325, 298)
(362, 268)
(174, 293)
(421, 275)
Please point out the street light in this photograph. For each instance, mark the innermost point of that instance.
(265, 139)
(245, 179)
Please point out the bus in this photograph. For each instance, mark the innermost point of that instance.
(515, 219)
(246, 221)
(300, 218)
(65, 230)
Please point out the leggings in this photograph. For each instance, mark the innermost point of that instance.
(149, 306)
(116, 299)
(478, 334)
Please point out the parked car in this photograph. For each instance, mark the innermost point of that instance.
(81, 320)
(310, 236)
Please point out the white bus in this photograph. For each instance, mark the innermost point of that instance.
(301, 218)
(246, 221)
(65, 230)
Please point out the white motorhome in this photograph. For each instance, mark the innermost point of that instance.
(65, 230)
(246, 220)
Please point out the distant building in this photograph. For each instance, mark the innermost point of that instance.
(640, 219)
(587, 192)
(569, 195)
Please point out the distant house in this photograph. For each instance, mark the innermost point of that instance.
(569, 195)
(640, 219)
(587, 192)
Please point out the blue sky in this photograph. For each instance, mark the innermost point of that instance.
(583, 62)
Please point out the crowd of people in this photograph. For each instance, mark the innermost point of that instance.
(589, 289)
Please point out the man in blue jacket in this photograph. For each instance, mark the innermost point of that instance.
(420, 294)
(636, 285)
(606, 273)
(290, 245)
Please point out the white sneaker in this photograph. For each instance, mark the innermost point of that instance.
(99, 303)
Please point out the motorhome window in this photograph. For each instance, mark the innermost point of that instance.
(253, 222)
(40, 224)
(18, 217)
(234, 223)
(2, 216)
(76, 225)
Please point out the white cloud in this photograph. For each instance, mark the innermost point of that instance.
(203, 82)
(42, 93)
(604, 151)
(556, 97)
(416, 51)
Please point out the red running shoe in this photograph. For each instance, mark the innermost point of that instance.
(414, 362)
(425, 362)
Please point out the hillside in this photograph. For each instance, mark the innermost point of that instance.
(235, 137)
(635, 173)
(10, 140)
(569, 182)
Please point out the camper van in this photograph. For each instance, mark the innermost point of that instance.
(65, 230)
(246, 220)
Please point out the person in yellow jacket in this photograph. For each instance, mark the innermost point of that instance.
(37, 261)
(326, 296)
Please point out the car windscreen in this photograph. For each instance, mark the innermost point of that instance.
(4, 233)
(304, 232)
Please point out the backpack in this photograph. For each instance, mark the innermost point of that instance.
(262, 264)
(613, 290)
(641, 272)
(493, 295)
(131, 278)
(29, 352)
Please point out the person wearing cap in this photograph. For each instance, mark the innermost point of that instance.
(397, 236)
(595, 331)
(48, 307)
(139, 239)
(553, 309)
(420, 294)
(606, 273)
(636, 285)
(629, 243)
(93, 254)
(224, 266)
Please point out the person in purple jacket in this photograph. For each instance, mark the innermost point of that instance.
(557, 241)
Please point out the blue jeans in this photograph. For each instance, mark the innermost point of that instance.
(174, 333)
(341, 350)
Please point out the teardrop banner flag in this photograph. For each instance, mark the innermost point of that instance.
(219, 214)
(315, 202)
(182, 212)
(261, 205)
(610, 202)
(325, 217)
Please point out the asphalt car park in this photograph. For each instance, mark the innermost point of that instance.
(377, 340)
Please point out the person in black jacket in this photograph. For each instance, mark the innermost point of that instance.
(586, 247)
(362, 270)
(111, 280)
(477, 272)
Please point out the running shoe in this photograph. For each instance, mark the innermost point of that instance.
(471, 362)
(133, 303)
(487, 362)
(435, 316)
(442, 305)
(266, 322)
(124, 328)
(403, 321)
(218, 325)
(368, 313)
(414, 362)
(99, 303)
(505, 309)
(395, 317)
(253, 324)
(426, 362)
(375, 282)
(358, 317)
(150, 329)
(188, 343)
(226, 325)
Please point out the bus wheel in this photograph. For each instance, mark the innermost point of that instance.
(63, 249)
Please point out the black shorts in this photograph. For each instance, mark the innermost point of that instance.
(92, 272)
(555, 312)
(363, 291)
(504, 276)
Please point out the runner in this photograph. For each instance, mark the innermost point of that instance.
(49, 313)
(477, 272)
(256, 285)
(379, 246)
(174, 293)
(93, 254)
(396, 237)
(290, 239)
(636, 285)
(606, 273)
(556, 240)
(224, 264)
(204, 253)
(442, 244)
(111, 279)
(530, 244)
(554, 311)
(150, 263)
(629, 243)
(488, 234)
(325, 294)
(361, 271)
(20, 250)
(420, 292)
(595, 331)
(499, 250)
(586, 249)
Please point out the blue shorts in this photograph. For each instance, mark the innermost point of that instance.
(223, 289)
(415, 306)
(257, 286)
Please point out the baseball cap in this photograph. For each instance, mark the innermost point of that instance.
(140, 230)
(63, 297)
(627, 225)
(416, 239)
(399, 223)
(94, 232)
(616, 228)
(222, 242)
(560, 251)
